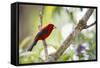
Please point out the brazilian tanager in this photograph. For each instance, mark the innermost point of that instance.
(42, 35)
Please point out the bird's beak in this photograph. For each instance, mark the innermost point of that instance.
(54, 27)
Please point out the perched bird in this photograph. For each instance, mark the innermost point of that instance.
(42, 35)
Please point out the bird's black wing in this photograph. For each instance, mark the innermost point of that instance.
(41, 33)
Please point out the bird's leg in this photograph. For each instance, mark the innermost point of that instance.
(45, 49)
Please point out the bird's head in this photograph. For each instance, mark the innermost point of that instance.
(51, 26)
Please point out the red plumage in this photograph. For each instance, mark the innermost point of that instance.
(42, 35)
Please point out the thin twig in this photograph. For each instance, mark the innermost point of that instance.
(46, 50)
(90, 25)
(44, 41)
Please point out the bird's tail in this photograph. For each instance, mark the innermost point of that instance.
(31, 47)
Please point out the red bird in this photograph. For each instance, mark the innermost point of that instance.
(42, 35)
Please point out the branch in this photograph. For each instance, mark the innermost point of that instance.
(46, 49)
(88, 26)
(87, 15)
(81, 25)
(40, 26)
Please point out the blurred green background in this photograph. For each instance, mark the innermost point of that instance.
(65, 19)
